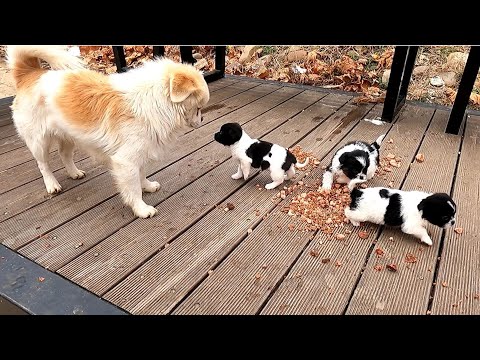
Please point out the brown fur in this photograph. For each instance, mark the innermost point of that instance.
(87, 99)
(26, 73)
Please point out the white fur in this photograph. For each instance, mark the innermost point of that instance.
(334, 170)
(128, 149)
(276, 161)
(372, 207)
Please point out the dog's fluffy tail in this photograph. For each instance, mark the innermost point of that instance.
(24, 59)
(378, 142)
(302, 165)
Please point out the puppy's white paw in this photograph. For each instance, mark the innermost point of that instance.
(427, 240)
(53, 187)
(237, 176)
(271, 186)
(351, 185)
(245, 176)
(145, 211)
(354, 223)
(77, 174)
(325, 187)
(151, 186)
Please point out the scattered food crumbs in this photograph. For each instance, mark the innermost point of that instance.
(454, 305)
(230, 206)
(363, 234)
(379, 252)
(390, 141)
(458, 230)
(363, 186)
(41, 279)
(390, 238)
(390, 156)
(264, 266)
(390, 184)
(340, 237)
(378, 267)
(410, 258)
(37, 227)
(210, 272)
(444, 284)
(291, 227)
(392, 267)
(476, 296)
(257, 276)
(325, 260)
(420, 158)
(314, 252)
(348, 231)
(95, 255)
(429, 312)
(338, 263)
(78, 245)
(257, 212)
(300, 183)
(249, 231)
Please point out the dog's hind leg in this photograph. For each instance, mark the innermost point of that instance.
(290, 172)
(40, 148)
(353, 216)
(147, 185)
(65, 149)
(419, 232)
(277, 176)
(127, 177)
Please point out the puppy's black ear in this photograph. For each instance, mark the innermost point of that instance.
(344, 157)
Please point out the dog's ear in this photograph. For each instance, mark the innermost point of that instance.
(343, 158)
(181, 86)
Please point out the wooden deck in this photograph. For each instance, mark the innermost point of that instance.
(195, 258)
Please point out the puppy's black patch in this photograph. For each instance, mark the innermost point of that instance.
(257, 151)
(384, 193)
(436, 209)
(349, 164)
(393, 215)
(355, 195)
(289, 160)
(265, 165)
(229, 134)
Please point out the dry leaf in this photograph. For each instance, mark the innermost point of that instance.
(392, 267)
(363, 234)
(379, 252)
(326, 260)
(410, 258)
(314, 252)
(420, 158)
(230, 206)
(41, 279)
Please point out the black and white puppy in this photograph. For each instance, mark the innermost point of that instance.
(354, 163)
(408, 209)
(257, 154)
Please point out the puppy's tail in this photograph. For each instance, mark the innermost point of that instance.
(302, 165)
(378, 142)
(24, 60)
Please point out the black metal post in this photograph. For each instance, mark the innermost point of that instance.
(186, 54)
(394, 83)
(407, 74)
(120, 61)
(220, 59)
(158, 51)
(464, 90)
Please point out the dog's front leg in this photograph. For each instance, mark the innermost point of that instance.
(127, 177)
(419, 232)
(238, 174)
(327, 180)
(147, 185)
(245, 167)
(354, 182)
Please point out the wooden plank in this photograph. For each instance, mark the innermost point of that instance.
(211, 238)
(91, 225)
(326, 288)
(10, 143)
(7, 130)
(264, 257)
(25, 197)
(407, 291)
(459, 268)
(37, 221)
(191, 203)
(220, 84)
(5, 119)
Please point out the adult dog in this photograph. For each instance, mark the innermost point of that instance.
(123, 119)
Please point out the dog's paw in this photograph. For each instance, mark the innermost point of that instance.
(325, 187)
(78, 174)
(53, 187)
(237, 176)
(351, 186)
(145, 211)
(427, 240)
(271, 186)
(354, 223)
(151, 186)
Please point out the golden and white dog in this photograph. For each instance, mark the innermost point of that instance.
(125, 119)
